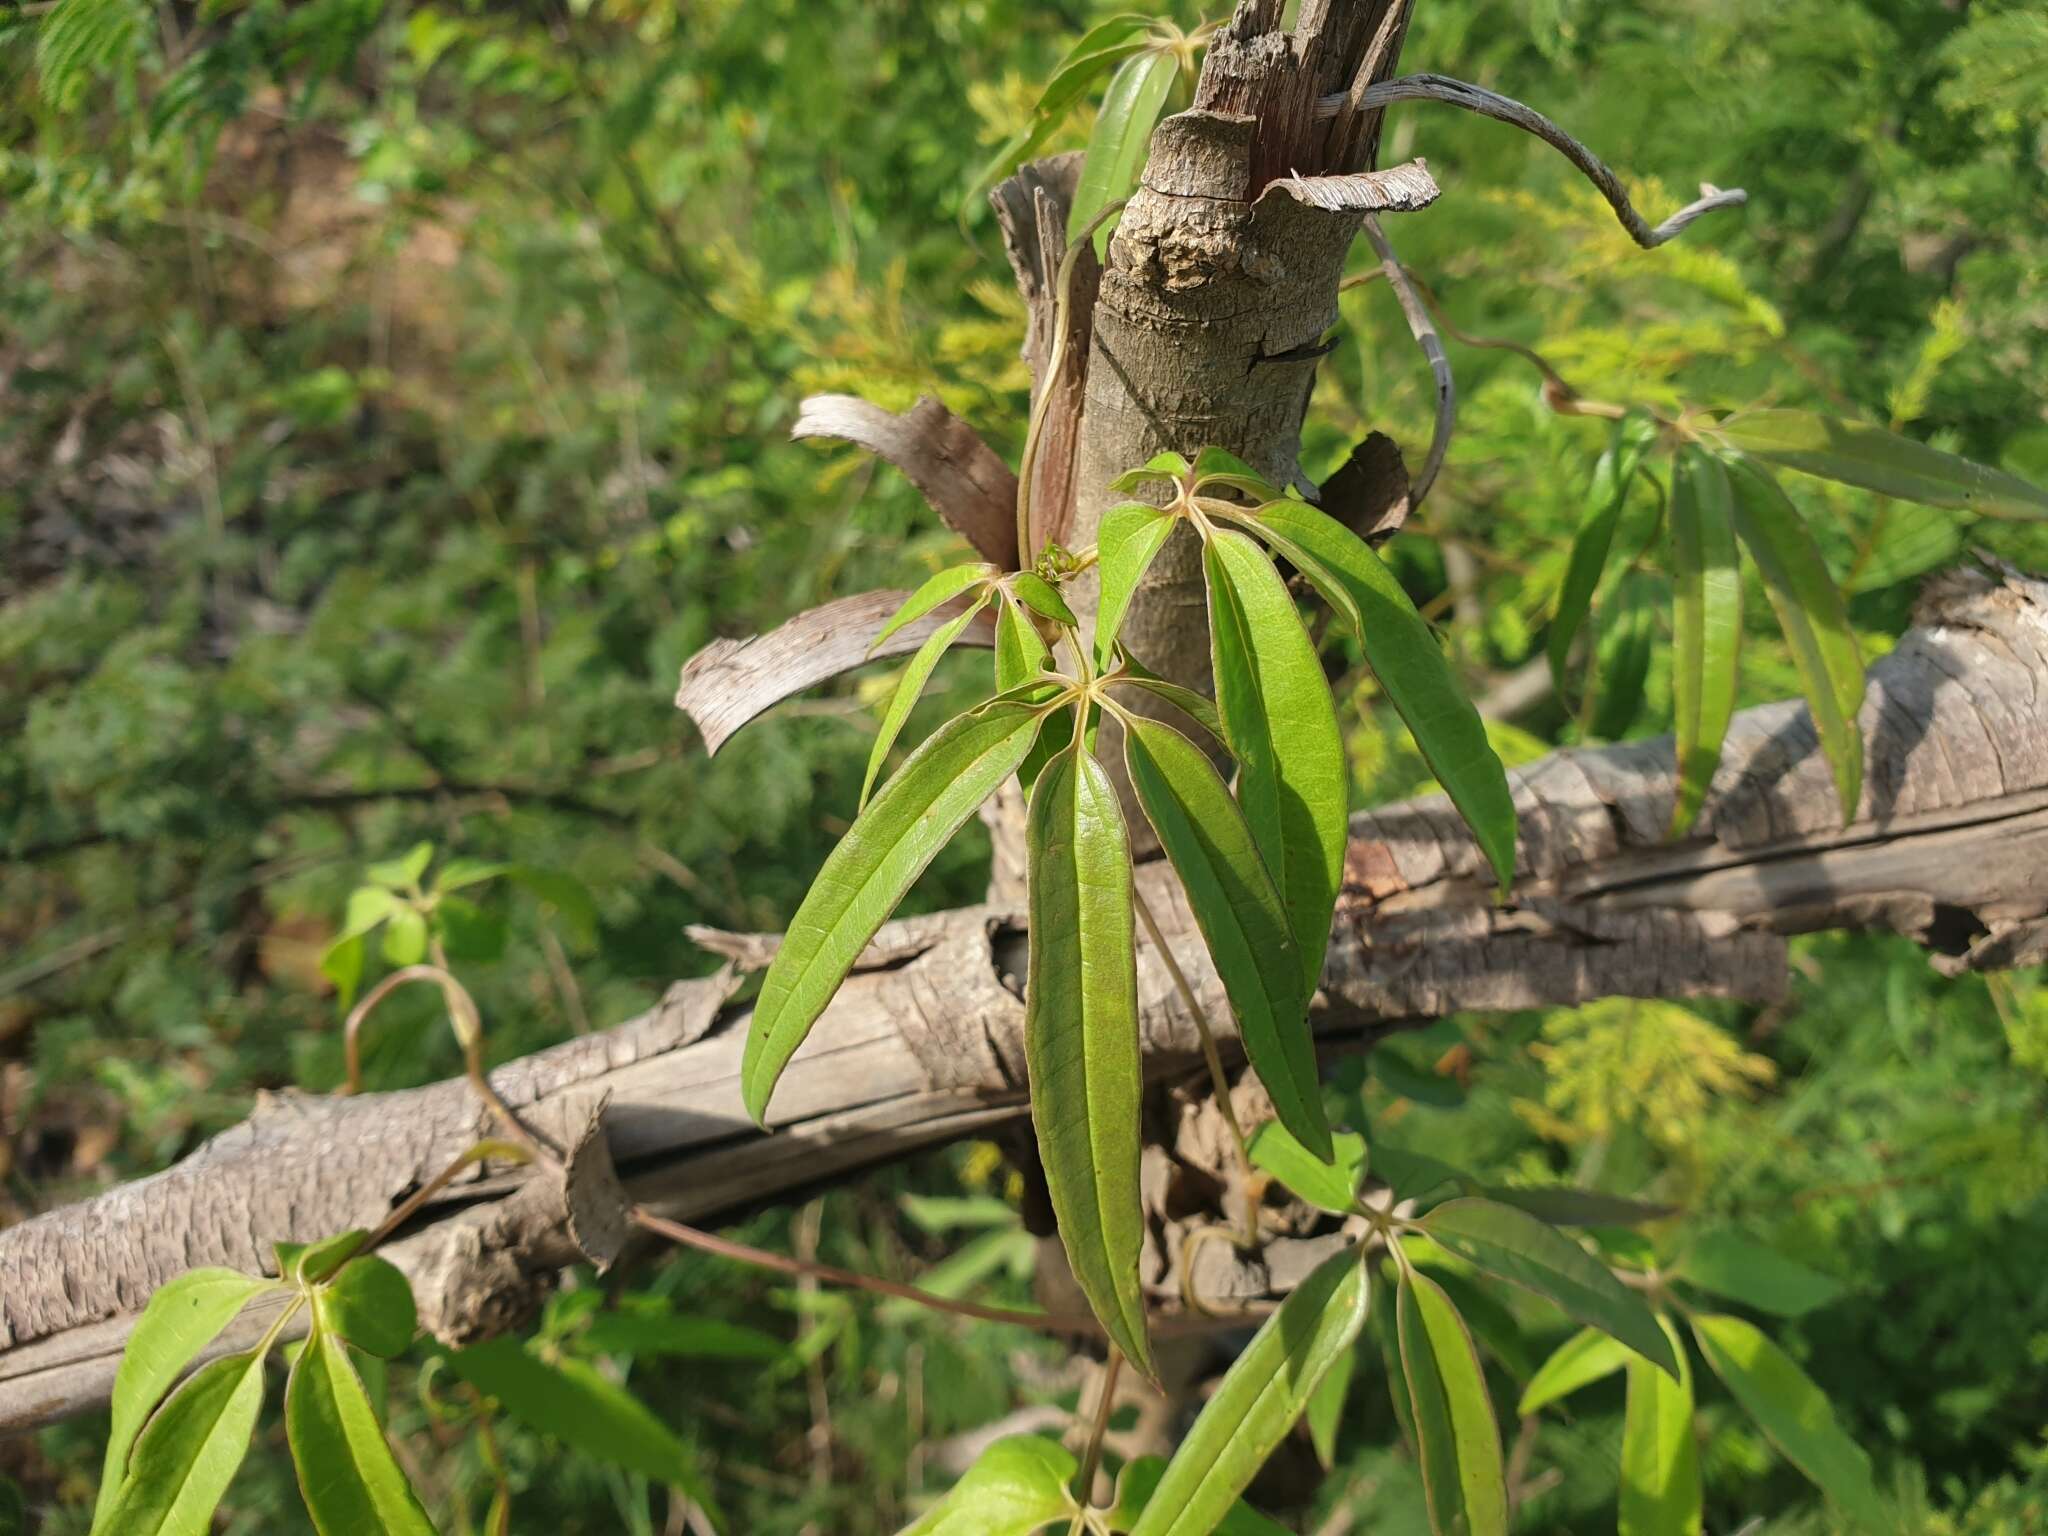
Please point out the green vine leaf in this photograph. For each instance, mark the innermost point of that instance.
(1215, 466)
(1329, 1185)
(1042, 598)
(1126, 541)
(1612, 476)
(1514, 1246)
(184, 1315)
(1081, 1037)
(1411, 666)
(1139, 1481)
(1586, 1357)
(1811, 614)
(1854, 453)
(1123, 131)
(369, 1303)
(1017, 1486)
(934, 591)
(1794, 1413)
(1166, 465)
(189, 1452)
(1102, 45)
(1293, 780)
(910, 689)
(1457, 1440)
(1734, 1267)
(1021, 652)
(1628, 634)
(1706, 625)
(1239, 912)
(1660, 1455)
(347, 1476)
(916, 814)
(1264, 1392)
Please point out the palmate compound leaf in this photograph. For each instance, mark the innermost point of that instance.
(184, 1315)
(1293, 780)
(1706, 613)
(1411, 666)
(1793, 1413)
(1258, 1400)
(1855, 453)
(1081, 1037)
(1516, 1247)
(1125, 542)
(1586, 1357)
(189, 1452)
(1457, 1441)
(917, 812)
(350, 1482)
(915, 675)
(1660, 1455)
(1811, 615)
(1238, 910)
(941, 588)
(1123, 131)
(1612, 477)
(1018, 1486)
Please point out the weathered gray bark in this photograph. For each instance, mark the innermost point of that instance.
(1950, 846)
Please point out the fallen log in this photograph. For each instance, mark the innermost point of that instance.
(1949, 847)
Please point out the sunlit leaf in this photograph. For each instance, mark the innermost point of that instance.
(1660, 1456)
(1586, 1357)
(184, 1315)
(1812, 616)
(1214, 466)
(1331, 1186)
(1325, 1413)
(1238, 910)
(1856, 453)
(909, 689)
(1410, 665)
(1015, 1487)
(369, 1303)
(403, 872)
(1140, 1480)
(1167, 465)
(1706, 616)
(1293, 779)
(1020, 651)
(350, 1482)
(1081, 1037)
(867, 874)
(1794, 1413)
(189, 1452)
(1628, 633)
(1612, 477)
(1733, 1266)
(1103, 45)
(1515, 1246)
(1126, 541)
(940, 588)
(584, 1409)
(1042, 598)
(1123, 132)
(1197, 707)
(1264, 1392)
(1457, 1440)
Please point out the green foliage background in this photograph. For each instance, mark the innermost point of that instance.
(393, 394)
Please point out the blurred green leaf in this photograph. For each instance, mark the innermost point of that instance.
(368, 1303)
(1732, 1266)
(1706, 624)
(937, 589)
(1586, 1357)
(1015, 1487)
(1861, 455)
(1615, 472)
(1660, 1458)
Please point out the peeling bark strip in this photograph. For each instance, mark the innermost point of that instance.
(924, 1043)
(730, 682)
(970, 488)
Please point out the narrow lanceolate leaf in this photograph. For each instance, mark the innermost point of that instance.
(1166, 465)
(1563, 1206)
(1293, 781)
(1756, 1276)
(1457, 1440)
(944, 587)
(1081, 1037)
(184, 1316)
(1123, 129)
(1214, 466)
(189, 1453)
(1140, 1480)
(1794, 1413)
(1197, 707)
(1237, 907)
(1410, 665)
(909, 689)
(1622, 663)
(583, 1409)
(1259, 1399)
(1811, 613)
(1612, 477)
(1516, 1247)
(1020, 652)
(916, 814)
(1660, 1456)
(347, 1475)
(1586, 1357)
(1332, 1185)
(1102, 45)
(1126, 541)
(1017, 1486)
(1706, 616)
(1325, 1414)
(1855, 453)
(1042, 598)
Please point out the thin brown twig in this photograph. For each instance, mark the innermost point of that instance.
(1091, 1456)
(1423, 328)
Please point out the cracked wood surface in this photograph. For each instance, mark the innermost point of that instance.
(1950, 846)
